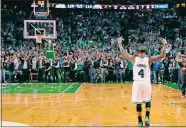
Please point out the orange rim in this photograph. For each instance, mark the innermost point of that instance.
(39, 36)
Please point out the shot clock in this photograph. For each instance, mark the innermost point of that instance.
(41, 7)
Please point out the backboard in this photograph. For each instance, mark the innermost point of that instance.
(47, 28)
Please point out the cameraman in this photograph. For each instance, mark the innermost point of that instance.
(181, 60)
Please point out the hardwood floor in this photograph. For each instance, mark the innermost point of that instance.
(93, 105)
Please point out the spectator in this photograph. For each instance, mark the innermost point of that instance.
(157, 71)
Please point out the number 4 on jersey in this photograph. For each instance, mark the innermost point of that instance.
(141, 73)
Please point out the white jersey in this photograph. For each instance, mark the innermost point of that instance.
(141, 69)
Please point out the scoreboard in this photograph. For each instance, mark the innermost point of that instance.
(41, 7)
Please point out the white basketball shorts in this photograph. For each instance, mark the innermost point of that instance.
(141, 92)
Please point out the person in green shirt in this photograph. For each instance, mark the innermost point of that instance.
(130, 70)
(79, 71)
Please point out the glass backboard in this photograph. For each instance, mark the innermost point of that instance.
(46, 28)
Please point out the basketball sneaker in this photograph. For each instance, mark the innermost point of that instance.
(140, 124)
(147, 122)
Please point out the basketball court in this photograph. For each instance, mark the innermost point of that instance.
(86, 105)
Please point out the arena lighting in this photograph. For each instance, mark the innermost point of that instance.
(60, 6)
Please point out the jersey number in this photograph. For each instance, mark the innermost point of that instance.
(141, 73)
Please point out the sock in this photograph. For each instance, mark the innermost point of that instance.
(139, 119)
(147, 113)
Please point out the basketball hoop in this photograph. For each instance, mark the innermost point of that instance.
(38, 38)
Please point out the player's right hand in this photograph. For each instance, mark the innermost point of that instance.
(120, 39)
(164, 41)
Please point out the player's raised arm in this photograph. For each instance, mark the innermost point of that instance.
(123, 52)
(161, 55)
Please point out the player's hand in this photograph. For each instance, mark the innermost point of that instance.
(183, 69)
(164, 41)
(120, 39)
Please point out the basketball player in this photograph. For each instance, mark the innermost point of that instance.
(141, 89)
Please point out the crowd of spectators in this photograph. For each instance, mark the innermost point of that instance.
(86, 45)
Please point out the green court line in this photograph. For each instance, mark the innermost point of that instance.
(40, 88)
(73, 89)
(30, 88)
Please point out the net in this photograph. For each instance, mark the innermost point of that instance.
(38, 38)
